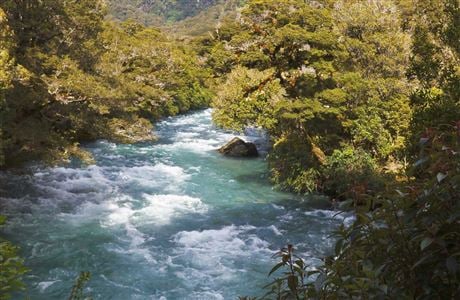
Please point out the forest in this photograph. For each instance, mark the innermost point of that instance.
(360, 100)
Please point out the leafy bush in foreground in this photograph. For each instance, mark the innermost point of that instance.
(11, 268)
(77, 292)
(406, 248)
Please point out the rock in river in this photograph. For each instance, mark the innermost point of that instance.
(239, 148)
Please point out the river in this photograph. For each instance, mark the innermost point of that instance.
(166, 220)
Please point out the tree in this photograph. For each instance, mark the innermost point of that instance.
(6, 74)
(404, 242)
(435, 63)
(11, 268)
(78, 78)
(342, 78)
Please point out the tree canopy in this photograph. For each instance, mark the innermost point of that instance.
(70, 76)
(323, 79)
(361, 100)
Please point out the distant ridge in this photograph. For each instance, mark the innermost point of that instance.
(183, 17)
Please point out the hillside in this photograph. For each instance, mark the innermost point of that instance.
(110, 132)
(62, 83)
(159, 12)
(182, 18)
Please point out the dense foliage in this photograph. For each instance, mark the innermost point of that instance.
(180, 18)
(153, 12)
(407, 248)
(326, 80)
(349, 100)
(11, 268)
(360, 98)
(68, 76)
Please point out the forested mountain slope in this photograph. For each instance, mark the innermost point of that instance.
(361, 99)
(68, 76)
(158, 12)
(182, 18)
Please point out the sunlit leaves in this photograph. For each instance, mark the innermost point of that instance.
(78, 288)
(249, 97)
(80, 78)
(11, 268)
(341, 87)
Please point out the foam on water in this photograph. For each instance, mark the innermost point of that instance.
(209, 256)
(45, 284)
(218, 243)
(206, 295)
(158, 176)
(165, 220)
(161, 209)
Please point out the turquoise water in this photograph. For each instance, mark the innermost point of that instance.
(166, 220)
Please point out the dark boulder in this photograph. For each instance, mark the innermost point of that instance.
(239, 148)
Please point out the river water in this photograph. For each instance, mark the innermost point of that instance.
(166, 220)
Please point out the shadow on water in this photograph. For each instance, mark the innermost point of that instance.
(260, 178)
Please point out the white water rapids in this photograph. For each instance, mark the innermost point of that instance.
(166, 220)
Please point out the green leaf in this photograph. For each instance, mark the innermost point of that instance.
(276, 267)
(300, 263)
(441, 176)
(338, 247)
(426, 242)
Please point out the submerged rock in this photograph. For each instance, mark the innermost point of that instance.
(239, 148)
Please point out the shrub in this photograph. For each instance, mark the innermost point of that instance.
(351, 173)
(408, 247)
(11, 268)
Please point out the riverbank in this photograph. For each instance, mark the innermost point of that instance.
(169, 219)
